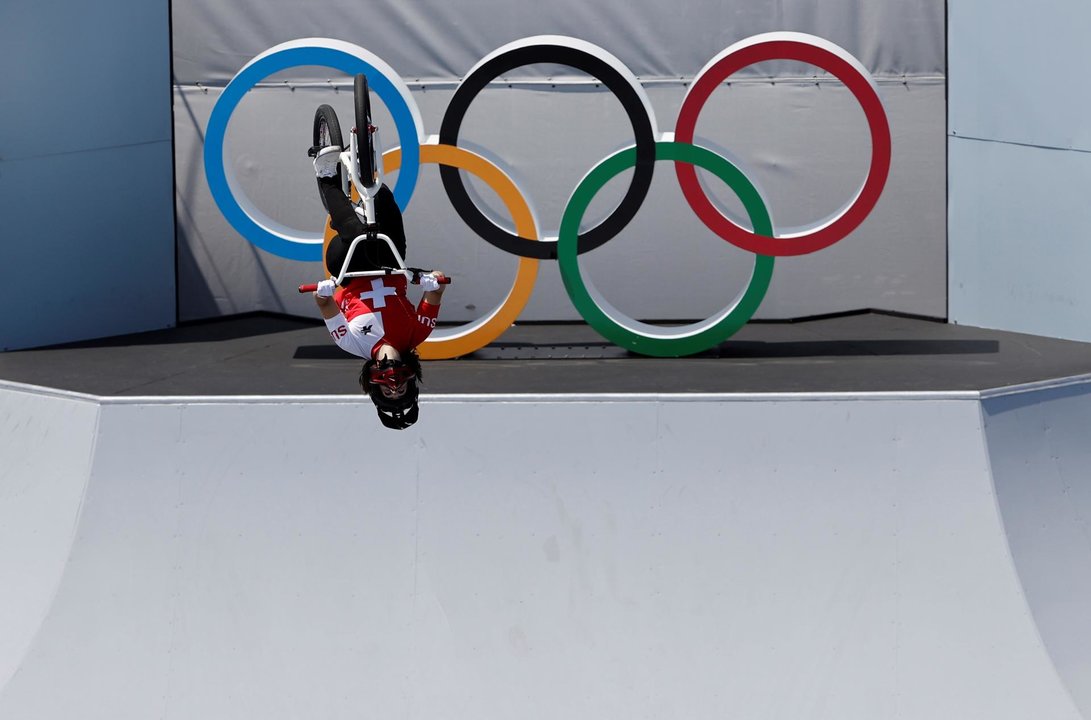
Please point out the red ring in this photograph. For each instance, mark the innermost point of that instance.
(851, 216)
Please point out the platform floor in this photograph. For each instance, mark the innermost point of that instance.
(271, 355)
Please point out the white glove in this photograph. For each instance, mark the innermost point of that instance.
(428, 282)
(326, 288)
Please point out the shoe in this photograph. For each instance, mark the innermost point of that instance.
(326, 161)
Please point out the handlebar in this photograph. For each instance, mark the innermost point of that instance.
(311, 287)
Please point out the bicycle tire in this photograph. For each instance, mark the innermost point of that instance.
(365, 145)
(327, 131)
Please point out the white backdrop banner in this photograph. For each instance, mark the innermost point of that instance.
(556, 90)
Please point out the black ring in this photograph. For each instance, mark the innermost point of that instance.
(614, 81)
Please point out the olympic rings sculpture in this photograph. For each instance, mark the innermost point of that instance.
(527, 242)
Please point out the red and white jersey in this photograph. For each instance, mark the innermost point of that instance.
(376, 312)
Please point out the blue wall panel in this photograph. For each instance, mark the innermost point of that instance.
(86, 171)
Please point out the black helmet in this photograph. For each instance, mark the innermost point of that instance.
(395, 413)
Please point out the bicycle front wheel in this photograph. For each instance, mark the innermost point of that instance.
(364, 142)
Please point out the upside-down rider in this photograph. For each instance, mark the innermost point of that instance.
(371, 317)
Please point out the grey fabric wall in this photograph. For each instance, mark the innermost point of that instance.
(1020, 166)
(86, 206)
(802, 137)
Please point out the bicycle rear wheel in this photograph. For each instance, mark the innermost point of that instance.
(364, 143)
(326, 132)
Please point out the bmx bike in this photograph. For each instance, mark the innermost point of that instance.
(364, 163)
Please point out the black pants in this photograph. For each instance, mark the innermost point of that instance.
(347, 224)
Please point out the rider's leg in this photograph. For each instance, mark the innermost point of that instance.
(347, 224)
(389, 217)
(343, 218)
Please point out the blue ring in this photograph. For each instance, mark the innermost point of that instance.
(263, 68)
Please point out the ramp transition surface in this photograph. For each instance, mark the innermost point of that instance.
(820, 555)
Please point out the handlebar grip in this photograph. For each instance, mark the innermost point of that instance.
(417, 274)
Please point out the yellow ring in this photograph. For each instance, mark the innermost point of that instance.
(464, 339)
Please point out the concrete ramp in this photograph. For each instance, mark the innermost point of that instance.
(541, 557)
(1040, 451)
(46, 445)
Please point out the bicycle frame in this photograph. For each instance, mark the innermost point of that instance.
(365, 208)
(376, 237)
(365, 205)
(350, 159)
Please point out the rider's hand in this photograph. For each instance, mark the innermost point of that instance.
(326, 288)
(434, 297)
(429, 282)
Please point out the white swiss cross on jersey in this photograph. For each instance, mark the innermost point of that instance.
(378, 294)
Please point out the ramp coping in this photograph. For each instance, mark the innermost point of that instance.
(560, 397)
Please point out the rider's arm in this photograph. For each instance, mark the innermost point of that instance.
(354, 336)
(349, 336)
(427, 312)
(327, 307)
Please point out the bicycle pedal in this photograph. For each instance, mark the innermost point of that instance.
(312, 151)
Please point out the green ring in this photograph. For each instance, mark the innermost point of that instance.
(641, 337)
